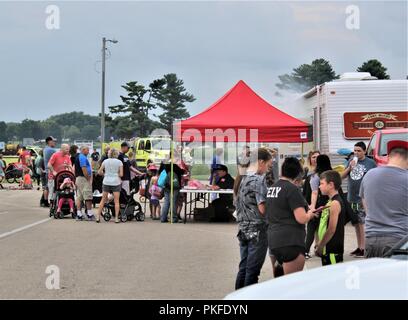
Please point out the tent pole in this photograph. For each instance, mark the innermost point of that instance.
(302, 154)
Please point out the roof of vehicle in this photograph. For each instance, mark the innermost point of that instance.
(376, 278)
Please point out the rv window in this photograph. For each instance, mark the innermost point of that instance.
(371, 146)
(141, 145)
(148, 145)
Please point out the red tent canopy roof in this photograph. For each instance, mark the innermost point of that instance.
(241, 108)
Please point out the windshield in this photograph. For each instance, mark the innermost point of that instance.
(161, 144)
(389, 137)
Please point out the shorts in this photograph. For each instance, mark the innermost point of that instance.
(331, 258)
(287, 254)
(84, 189)
(126, 186)
(50, 188)
(359, 212)
(378, 246)
(154, 202)
(106, 188)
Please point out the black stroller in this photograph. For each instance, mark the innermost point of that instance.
(129, 208)
(59, 193)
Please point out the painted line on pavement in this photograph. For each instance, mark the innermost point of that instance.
(9, 233)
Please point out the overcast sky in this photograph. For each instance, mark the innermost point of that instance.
(210, 45)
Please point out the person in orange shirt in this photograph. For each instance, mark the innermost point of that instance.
(26, 183)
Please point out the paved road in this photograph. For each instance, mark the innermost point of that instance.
(136, 260)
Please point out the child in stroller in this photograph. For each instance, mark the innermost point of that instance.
(129, 207)
(64, 195)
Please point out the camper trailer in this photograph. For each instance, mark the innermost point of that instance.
(352, 108)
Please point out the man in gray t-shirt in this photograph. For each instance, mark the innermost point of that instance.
(384, 191)
(355, 171)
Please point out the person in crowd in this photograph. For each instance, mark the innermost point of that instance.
(105, 155)
(176, 182)
(332, 221)
(217, 159)
(48, 151)
(25, 157)
(384, 192)
(243, 159)
(83, 174)
(315, 198)
(58, 162)
(67, 187)
(155, 195)
(310, 167)
(286, 210)
(277, 268)
(355, 171)
(224, 203)
(73, 152)
(127, 168)
(2, 170)
(151, 172)
(26, 182)
(252, 225)
(112, 170)
(95, 156)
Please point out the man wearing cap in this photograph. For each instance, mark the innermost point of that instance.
(48, 151)
(127, 168)
(224, 202)
(384, 191)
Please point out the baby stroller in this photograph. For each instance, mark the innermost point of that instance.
(59, 193)
(14, 172)
(96, 189)
(129, 208)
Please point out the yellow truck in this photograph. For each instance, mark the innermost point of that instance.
(153, 149)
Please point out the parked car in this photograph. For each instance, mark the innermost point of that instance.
(375, 278)
(377, 147)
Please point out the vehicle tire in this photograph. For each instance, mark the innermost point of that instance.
(123, 217)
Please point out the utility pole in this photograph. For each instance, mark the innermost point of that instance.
(104, 40)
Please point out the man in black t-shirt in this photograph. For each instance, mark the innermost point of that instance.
(95, 159)
(331, 227)
(127, 168)
(224, 202)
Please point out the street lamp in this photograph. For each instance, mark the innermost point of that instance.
(104, 40)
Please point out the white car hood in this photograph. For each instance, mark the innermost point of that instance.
(375, 278)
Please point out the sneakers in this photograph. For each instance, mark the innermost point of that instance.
(79, 218)
(358, 253)
(91, 218)
(307, 256)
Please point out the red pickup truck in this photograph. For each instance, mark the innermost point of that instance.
(377, 147)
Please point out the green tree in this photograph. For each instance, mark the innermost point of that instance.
(135, 108)
(13, 131)
(172, 98)
(375, 68)
(30, 129)
(306, 76)
(3, 131)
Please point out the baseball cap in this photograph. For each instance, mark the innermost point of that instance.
(125, 144)
(221, 167)
(50, 138)
(396, 144)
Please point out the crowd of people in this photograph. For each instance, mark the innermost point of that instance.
(272, 212)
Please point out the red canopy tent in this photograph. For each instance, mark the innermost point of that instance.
(238, 112)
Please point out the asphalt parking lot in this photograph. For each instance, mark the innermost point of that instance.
(132, 260)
